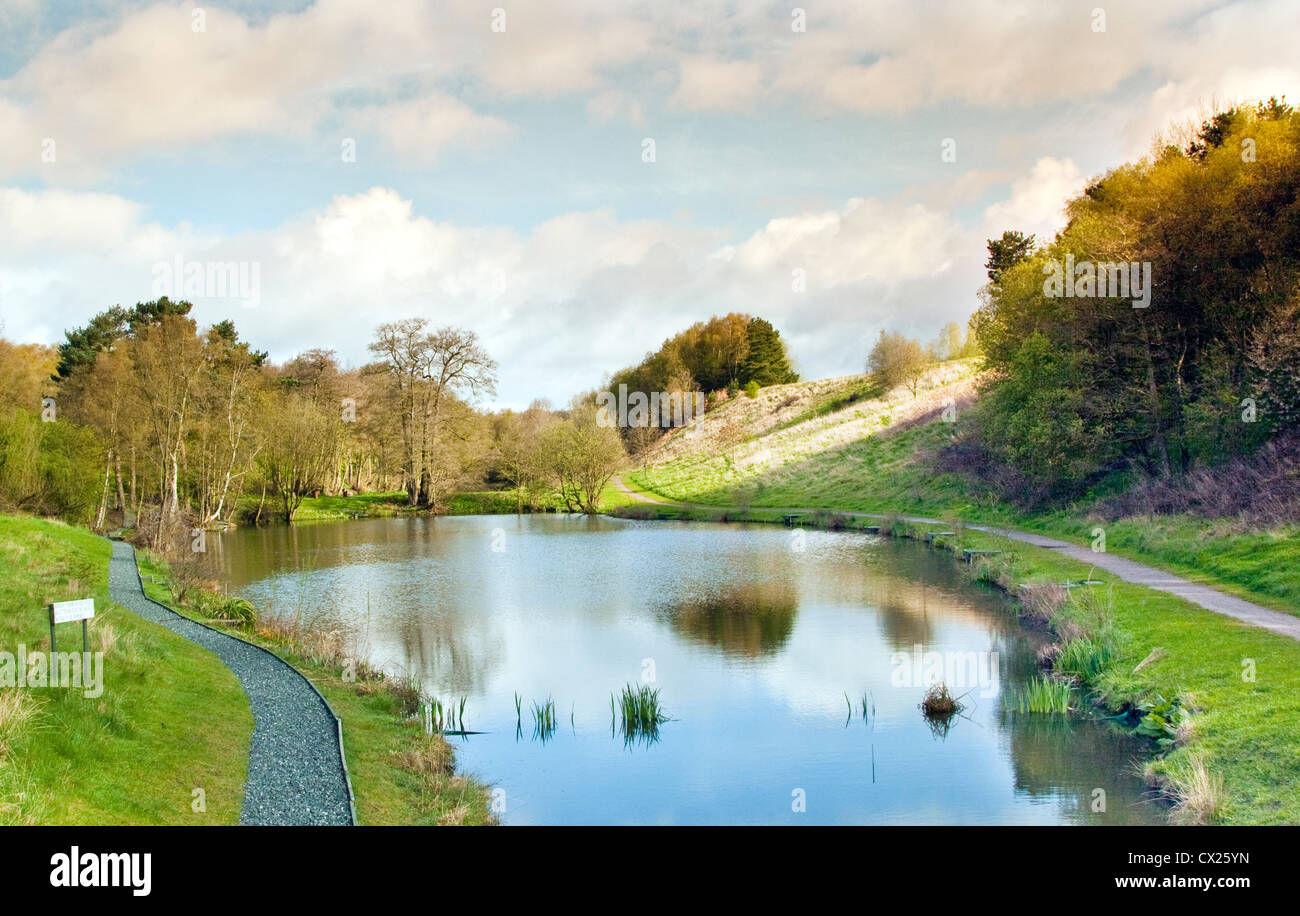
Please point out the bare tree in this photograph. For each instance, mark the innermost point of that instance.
(427, 369)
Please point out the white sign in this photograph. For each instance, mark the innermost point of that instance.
(65, 611)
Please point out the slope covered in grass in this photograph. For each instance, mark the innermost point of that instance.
(172, 718)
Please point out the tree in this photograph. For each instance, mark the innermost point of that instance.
(1212, 233)
(427, 370)
(897, 360)
(231, 391)
(582, 455)
(953, 342)
(1007, 252)
(299, 443)
(766, 361)
(1275, 358)
(520, 457)
(25, 374)
(168, 359)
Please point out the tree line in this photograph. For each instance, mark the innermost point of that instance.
(1092, 380)
(142, 417)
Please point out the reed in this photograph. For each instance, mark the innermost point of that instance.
(1043, 695)
(637, 712)
(544, 720)
(939, 703)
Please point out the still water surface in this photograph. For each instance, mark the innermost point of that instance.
(752, 643)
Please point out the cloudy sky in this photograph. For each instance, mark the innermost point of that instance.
(488, 164)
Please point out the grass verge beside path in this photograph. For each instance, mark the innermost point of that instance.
(400, 775)
(172, 718)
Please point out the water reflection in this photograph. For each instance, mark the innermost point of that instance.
(740, 618)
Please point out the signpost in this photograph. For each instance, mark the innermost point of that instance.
(67, 612)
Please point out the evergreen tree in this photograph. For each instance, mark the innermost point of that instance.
(766, 362)
(82, 345)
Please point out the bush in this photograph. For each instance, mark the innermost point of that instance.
(751, 388)
(49, 468)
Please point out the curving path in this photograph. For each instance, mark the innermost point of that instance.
(296, 772)
(1128, 570)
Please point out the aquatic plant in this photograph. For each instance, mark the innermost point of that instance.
(440, 717)
(1043, 695)
(544, 719)
(1162, 719)
(939, 703)
(1084, 658)
(637, 713)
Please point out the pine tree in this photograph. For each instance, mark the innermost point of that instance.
(766, 361)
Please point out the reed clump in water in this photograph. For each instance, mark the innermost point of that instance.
(1043, 695)
(449, 717)
(939, 703)
(637, 711)
(544, 719)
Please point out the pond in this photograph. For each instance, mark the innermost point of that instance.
(790, 664)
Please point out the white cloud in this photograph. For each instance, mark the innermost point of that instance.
(716, 84)
(580, 295)
(143, 80)
(1037, 201)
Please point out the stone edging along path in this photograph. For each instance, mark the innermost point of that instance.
(297, 774)
(1128, 570)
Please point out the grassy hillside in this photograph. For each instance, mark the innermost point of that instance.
(172, 718)
(876, 454)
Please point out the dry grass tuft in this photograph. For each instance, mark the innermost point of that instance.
(939, 703)
(431, 756)
(1199, 795)
(1041, 602)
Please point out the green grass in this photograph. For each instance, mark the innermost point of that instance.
(371, 505)
(637, 712)
(1042, 696)
(172, 719)
(400, 774)
(362, 504)
(487, 502)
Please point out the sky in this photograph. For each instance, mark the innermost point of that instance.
(576, 180)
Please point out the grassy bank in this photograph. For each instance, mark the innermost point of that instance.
(400, 774)
(172, 719)
(388, 504)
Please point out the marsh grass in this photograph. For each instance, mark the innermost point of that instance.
(1042, 696)
(544, 720)
(442, 717)
(637, 712)
(1084, 658)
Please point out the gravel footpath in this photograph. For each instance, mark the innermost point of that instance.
(1129, 570)
(296, 774)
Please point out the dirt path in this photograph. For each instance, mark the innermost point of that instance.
(296, 774)
(1128, 570)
